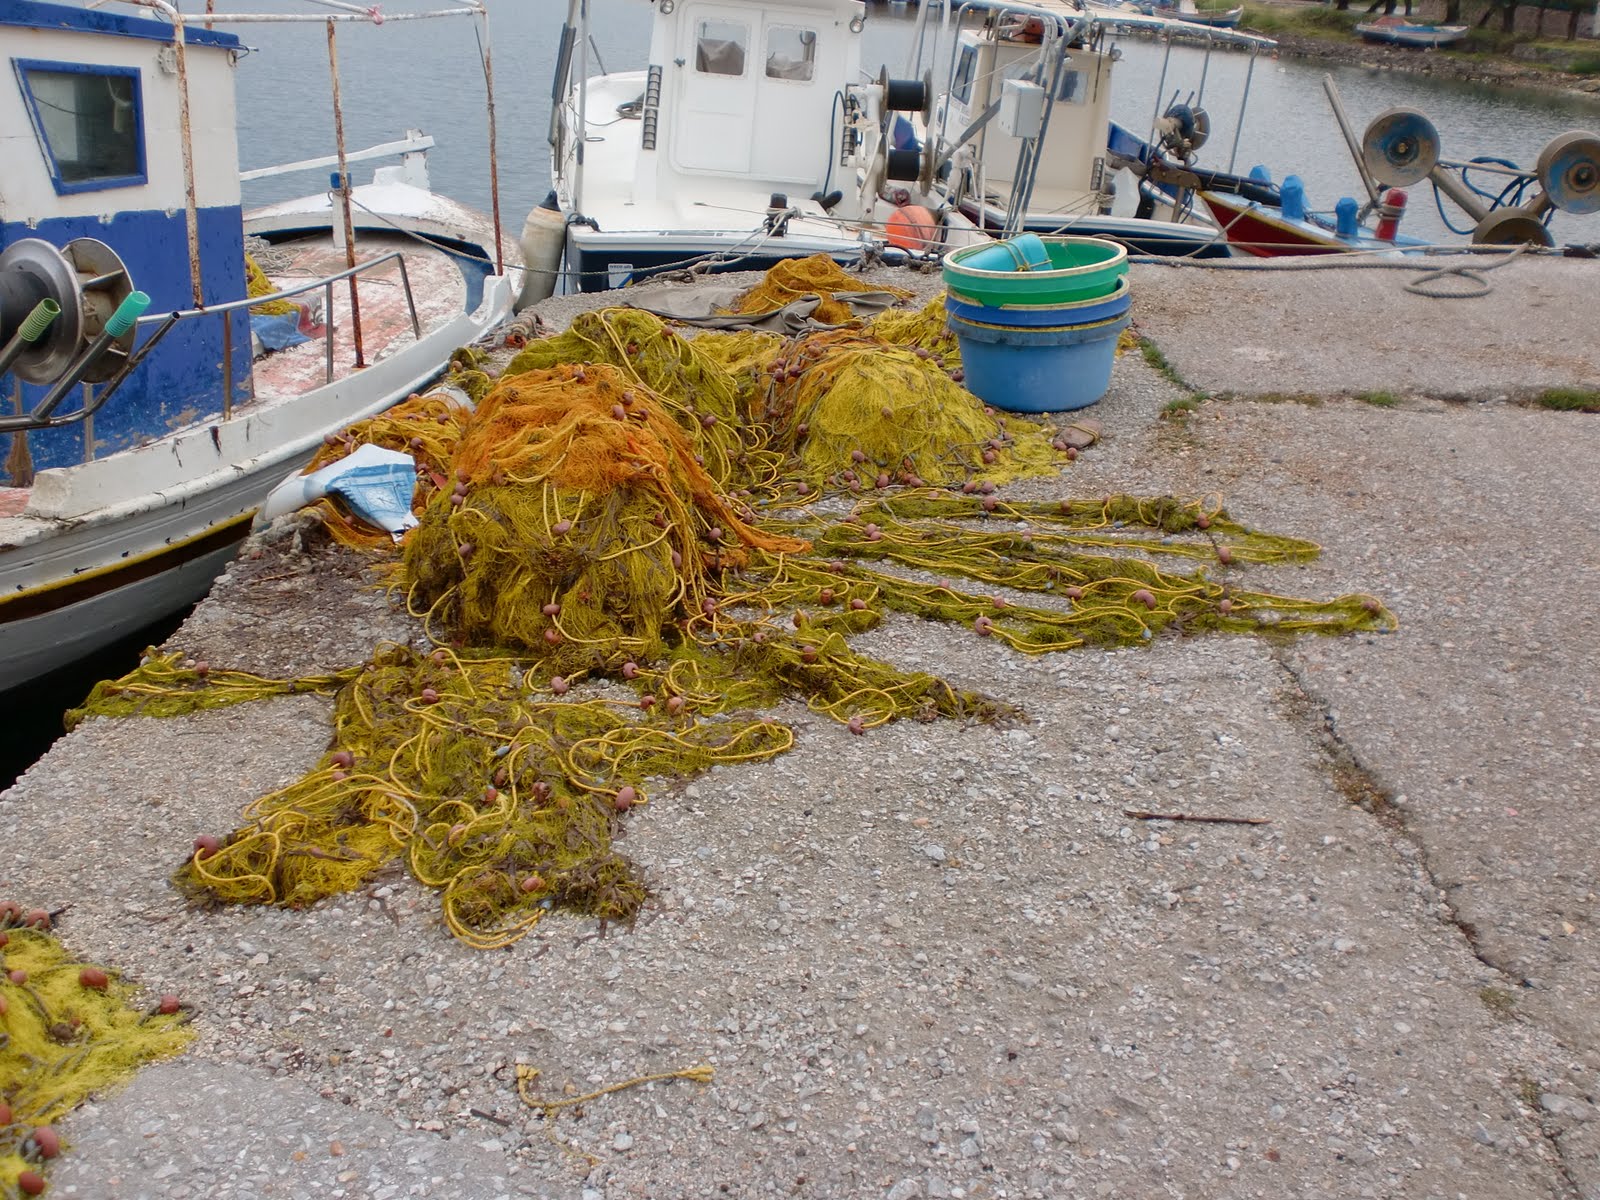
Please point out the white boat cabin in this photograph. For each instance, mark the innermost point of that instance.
(738, 101)
(1004, 65)
(89, 135)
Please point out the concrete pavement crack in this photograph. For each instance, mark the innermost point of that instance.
(1361, 787)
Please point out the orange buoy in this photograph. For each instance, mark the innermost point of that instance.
(912, 227)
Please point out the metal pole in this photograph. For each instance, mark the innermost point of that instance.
(344, 195)
(327, 335)
(191, 215)
(1205, 69)
(1244, 101)
(227, 365)
(1350, 138)
(583, 106)
(1470, 204)
(494, 161)
(1161, 87)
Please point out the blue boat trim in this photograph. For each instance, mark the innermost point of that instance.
(63, 186)
(31, 14)
(180, 383)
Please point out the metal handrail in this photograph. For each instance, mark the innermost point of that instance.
(325, 283)
(165, 322)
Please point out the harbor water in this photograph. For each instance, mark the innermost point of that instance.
(424, 75)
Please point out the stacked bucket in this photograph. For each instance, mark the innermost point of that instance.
(1038, 319)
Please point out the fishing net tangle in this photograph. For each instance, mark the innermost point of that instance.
(67, 1030)
(620, 559)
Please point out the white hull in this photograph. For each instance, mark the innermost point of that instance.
(89, 526)
(36, 646)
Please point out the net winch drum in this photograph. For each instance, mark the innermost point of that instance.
(88, 282)
(1569, 172)
(1400, 147)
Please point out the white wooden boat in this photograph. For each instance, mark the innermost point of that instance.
(120, 504)
(1397, 31)
(1023, 133)
(749, 136)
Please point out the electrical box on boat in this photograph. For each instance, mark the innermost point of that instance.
(1021, 109)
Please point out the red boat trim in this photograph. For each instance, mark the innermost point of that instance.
(1257, 232)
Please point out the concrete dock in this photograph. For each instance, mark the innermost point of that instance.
(939, 960)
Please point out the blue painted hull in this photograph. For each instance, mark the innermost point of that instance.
(181, 381)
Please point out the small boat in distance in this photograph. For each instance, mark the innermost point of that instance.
(165, 356)
(1216, 19)
(1397, 31)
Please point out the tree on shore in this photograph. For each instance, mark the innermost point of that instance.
(1575, 9)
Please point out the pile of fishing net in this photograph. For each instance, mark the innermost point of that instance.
(620, 558)
(817, 276)
(581, 524)
(67, 1030)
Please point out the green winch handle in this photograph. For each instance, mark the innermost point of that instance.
(129, 311)
(40, 319)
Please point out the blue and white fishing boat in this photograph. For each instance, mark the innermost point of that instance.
(1415, 35)
(143, 410)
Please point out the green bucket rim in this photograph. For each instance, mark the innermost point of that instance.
(1122, 285)
(1117, 262)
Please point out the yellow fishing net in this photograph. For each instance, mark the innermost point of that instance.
(257, 284)
(816, 276)
(859, 412)
(620, 562)
(581, 522)
(67, 1030)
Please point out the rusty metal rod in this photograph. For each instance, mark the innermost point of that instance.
(344, 193)
(494, 161)
(191, 215)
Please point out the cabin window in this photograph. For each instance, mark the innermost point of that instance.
(1070, 90)
(791, 53)
(719, 48)
(89, 121)
(966, 68)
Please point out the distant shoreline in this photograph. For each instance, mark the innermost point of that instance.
(1499, 71)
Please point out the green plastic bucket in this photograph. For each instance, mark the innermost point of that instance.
(1081, 269)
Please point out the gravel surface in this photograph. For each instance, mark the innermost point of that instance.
(938, 960)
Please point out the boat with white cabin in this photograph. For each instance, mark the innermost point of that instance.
(1023, 137)
(754, 133)
(154, 383)
(751, 135)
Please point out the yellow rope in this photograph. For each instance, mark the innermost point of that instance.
(548, 1108)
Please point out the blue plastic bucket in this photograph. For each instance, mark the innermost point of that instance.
(1081, 312)
(1076, 268)
(1038, 370)
(1025, 252)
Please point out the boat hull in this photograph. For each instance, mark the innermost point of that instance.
(1414, 37)
(1255, 231)
(34, 646)
(602, 262)
(1166, 239)
(73, 584)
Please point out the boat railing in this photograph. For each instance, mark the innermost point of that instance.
(165, 321)
(162, 324)
(415, 142)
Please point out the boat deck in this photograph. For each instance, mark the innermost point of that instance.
(437, 286)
